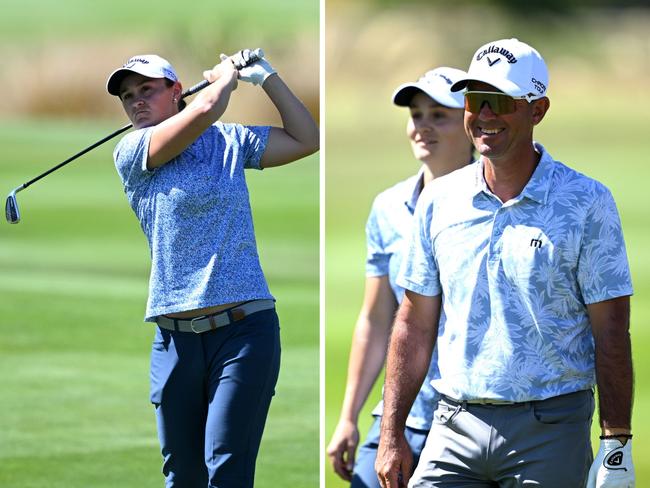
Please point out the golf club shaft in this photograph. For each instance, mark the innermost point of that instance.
(80, 153)
(256, 55)
(191, 91)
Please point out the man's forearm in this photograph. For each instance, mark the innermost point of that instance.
(409, 354)
(615, 382)
(406, 367)
(614, 374)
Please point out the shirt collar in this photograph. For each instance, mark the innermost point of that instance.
(537, 188)
(416, 189)
(539, 185)
(479, 184)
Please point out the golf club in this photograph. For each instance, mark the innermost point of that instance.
(12, 212)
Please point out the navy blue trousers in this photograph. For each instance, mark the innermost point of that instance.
(212, 393)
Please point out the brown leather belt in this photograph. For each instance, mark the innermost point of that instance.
(204, 323)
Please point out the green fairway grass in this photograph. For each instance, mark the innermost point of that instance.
(74, 351)
(589, 127)
(29, 21)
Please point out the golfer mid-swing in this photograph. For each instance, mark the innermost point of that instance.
(216, 352)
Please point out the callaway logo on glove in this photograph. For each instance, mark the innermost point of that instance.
(612, 467)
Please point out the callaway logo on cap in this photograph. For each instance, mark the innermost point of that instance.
(511, 66)
(148, 65)
(133, 61)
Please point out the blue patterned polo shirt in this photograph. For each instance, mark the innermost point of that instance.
(387, 230)
(196, 215)
(515, 279)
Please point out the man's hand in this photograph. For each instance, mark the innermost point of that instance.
(394, 462)
(342, 447)
(613, 467)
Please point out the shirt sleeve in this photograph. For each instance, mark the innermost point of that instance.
(377, 260)
(254, 139)
(130, 158)
(419, 270)
(603, 269)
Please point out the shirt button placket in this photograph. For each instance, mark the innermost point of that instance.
(495, 237)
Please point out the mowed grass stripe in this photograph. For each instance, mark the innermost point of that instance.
(87, 409)
(61, 280)
(69, 283)
(126, 467)
(74, 401)
(74, 277)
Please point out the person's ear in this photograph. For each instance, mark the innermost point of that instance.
(540, 107)
(177, 91)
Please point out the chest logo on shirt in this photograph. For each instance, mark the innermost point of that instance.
(536, 243)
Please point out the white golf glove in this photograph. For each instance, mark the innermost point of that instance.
(255, 73)
(613, 467)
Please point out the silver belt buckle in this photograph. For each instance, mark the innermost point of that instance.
(195, 329)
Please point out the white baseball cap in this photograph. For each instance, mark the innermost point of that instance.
(435, 83)
(148, 65)
(511, 66)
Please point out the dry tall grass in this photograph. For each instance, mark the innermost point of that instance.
(67, 78)
(378, 49)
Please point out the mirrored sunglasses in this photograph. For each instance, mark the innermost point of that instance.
(500, 103)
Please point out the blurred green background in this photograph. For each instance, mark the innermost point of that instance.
(74, 353)
(599, 62)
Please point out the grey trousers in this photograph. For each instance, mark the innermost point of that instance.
(544, 444)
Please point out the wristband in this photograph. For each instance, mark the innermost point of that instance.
(615, 436)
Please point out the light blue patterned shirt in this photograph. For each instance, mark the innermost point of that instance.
(196, 215)
(387, 230)
(515, 280)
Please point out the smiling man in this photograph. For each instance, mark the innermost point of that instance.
(517, 273)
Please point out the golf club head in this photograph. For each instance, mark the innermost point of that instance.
(11, 208)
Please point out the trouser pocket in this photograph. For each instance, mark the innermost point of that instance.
(163, 360)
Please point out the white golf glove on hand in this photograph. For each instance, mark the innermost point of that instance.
(255, 73)
(613, 467)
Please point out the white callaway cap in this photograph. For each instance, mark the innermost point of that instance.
(148, 65)
(435, 83)
(511, 66)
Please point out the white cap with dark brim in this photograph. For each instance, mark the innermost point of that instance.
(149, 65)
(436, 84)
(509, 65)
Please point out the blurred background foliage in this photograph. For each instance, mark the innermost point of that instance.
(380, 46)
(517, 7)
(57, 55)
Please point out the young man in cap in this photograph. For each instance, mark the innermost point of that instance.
(435, 131)
(517, 272)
